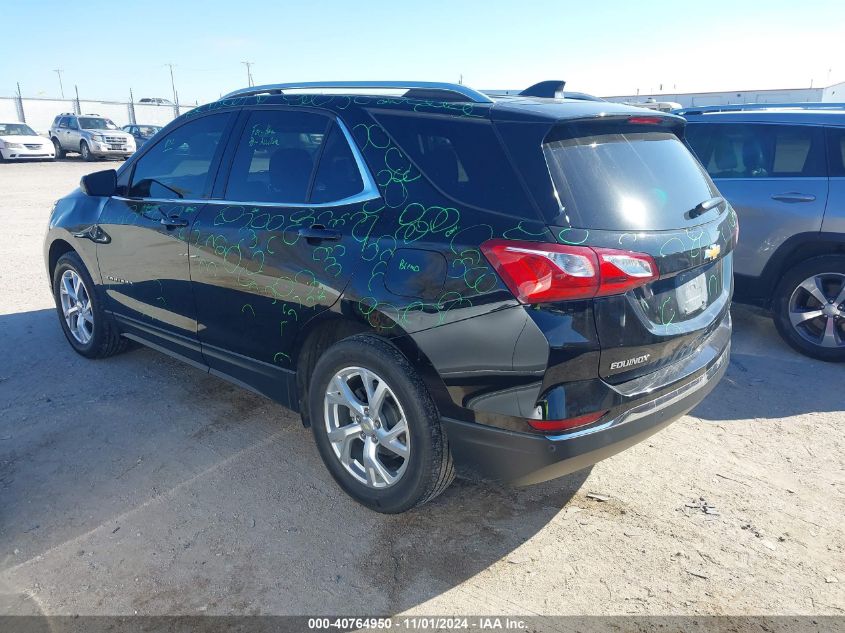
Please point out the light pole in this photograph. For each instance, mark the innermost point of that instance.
(59, 72)
(249, 81)
(173, 85)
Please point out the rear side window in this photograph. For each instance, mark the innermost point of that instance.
(275, 156)
(749, 150)
(627, 180)
(179, 165)
(462, 157)
(836, 149)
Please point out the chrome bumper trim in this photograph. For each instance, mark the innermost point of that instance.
(652, 406)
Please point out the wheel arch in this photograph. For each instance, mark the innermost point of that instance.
(60, 241)
(58, 248)
(334, 325)
(793, 251)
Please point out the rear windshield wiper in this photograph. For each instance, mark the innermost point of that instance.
(704, 207)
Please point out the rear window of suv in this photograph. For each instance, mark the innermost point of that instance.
(461, 157)
(626, 180)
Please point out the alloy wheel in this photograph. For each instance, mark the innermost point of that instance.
(76, 307)
(817, 310)
(367, 427)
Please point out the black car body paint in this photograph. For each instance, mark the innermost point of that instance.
(239, 289)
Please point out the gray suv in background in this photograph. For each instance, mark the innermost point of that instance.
(783, 171)
(90, 135)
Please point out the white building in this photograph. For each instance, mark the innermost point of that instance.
(834, 93)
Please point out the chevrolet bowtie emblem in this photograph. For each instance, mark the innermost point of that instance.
(712, 252)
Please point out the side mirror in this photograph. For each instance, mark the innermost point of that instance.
(100, 183)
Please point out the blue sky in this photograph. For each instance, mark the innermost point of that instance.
(605, 48)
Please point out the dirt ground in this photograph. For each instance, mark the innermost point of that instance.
(141, 485)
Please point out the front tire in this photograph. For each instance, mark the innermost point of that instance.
(809, 307)
(89, 330)
(376, 427)
(86, 152)
(60, 153)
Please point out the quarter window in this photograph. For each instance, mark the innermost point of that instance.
(179, 165)
(836, 147)
(740, 150)
(462, 157)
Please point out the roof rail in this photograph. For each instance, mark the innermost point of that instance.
(465, 94)
(739, 107)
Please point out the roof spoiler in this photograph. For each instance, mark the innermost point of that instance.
(552, 89)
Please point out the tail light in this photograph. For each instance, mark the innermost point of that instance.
(566, 425)
(536, 272)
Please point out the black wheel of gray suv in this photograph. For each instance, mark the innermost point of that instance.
(88, 328)
(376, 427)
(85, 151)
(60, 153)
(809, 307)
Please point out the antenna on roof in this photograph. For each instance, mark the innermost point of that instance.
(552, 89)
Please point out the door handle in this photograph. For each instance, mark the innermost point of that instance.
(317, 233)
(793, 196)
(173, 222)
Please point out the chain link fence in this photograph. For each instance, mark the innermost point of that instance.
(39, 113)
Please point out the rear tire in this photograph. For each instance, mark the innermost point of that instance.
(60, 153)
(394, 484)
(809, 307)
(95, 334)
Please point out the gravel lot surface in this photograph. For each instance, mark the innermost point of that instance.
(141, 485)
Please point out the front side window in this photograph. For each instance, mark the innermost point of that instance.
(743, 150)
(179, 165)
(276, 156)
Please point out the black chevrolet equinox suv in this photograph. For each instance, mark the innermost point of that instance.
(434, 278)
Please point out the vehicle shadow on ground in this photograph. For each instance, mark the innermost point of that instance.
(767, 379)
(137, 483)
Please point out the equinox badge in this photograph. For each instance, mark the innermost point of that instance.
(637, 360)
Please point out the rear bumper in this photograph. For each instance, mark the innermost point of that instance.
(522, 458)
